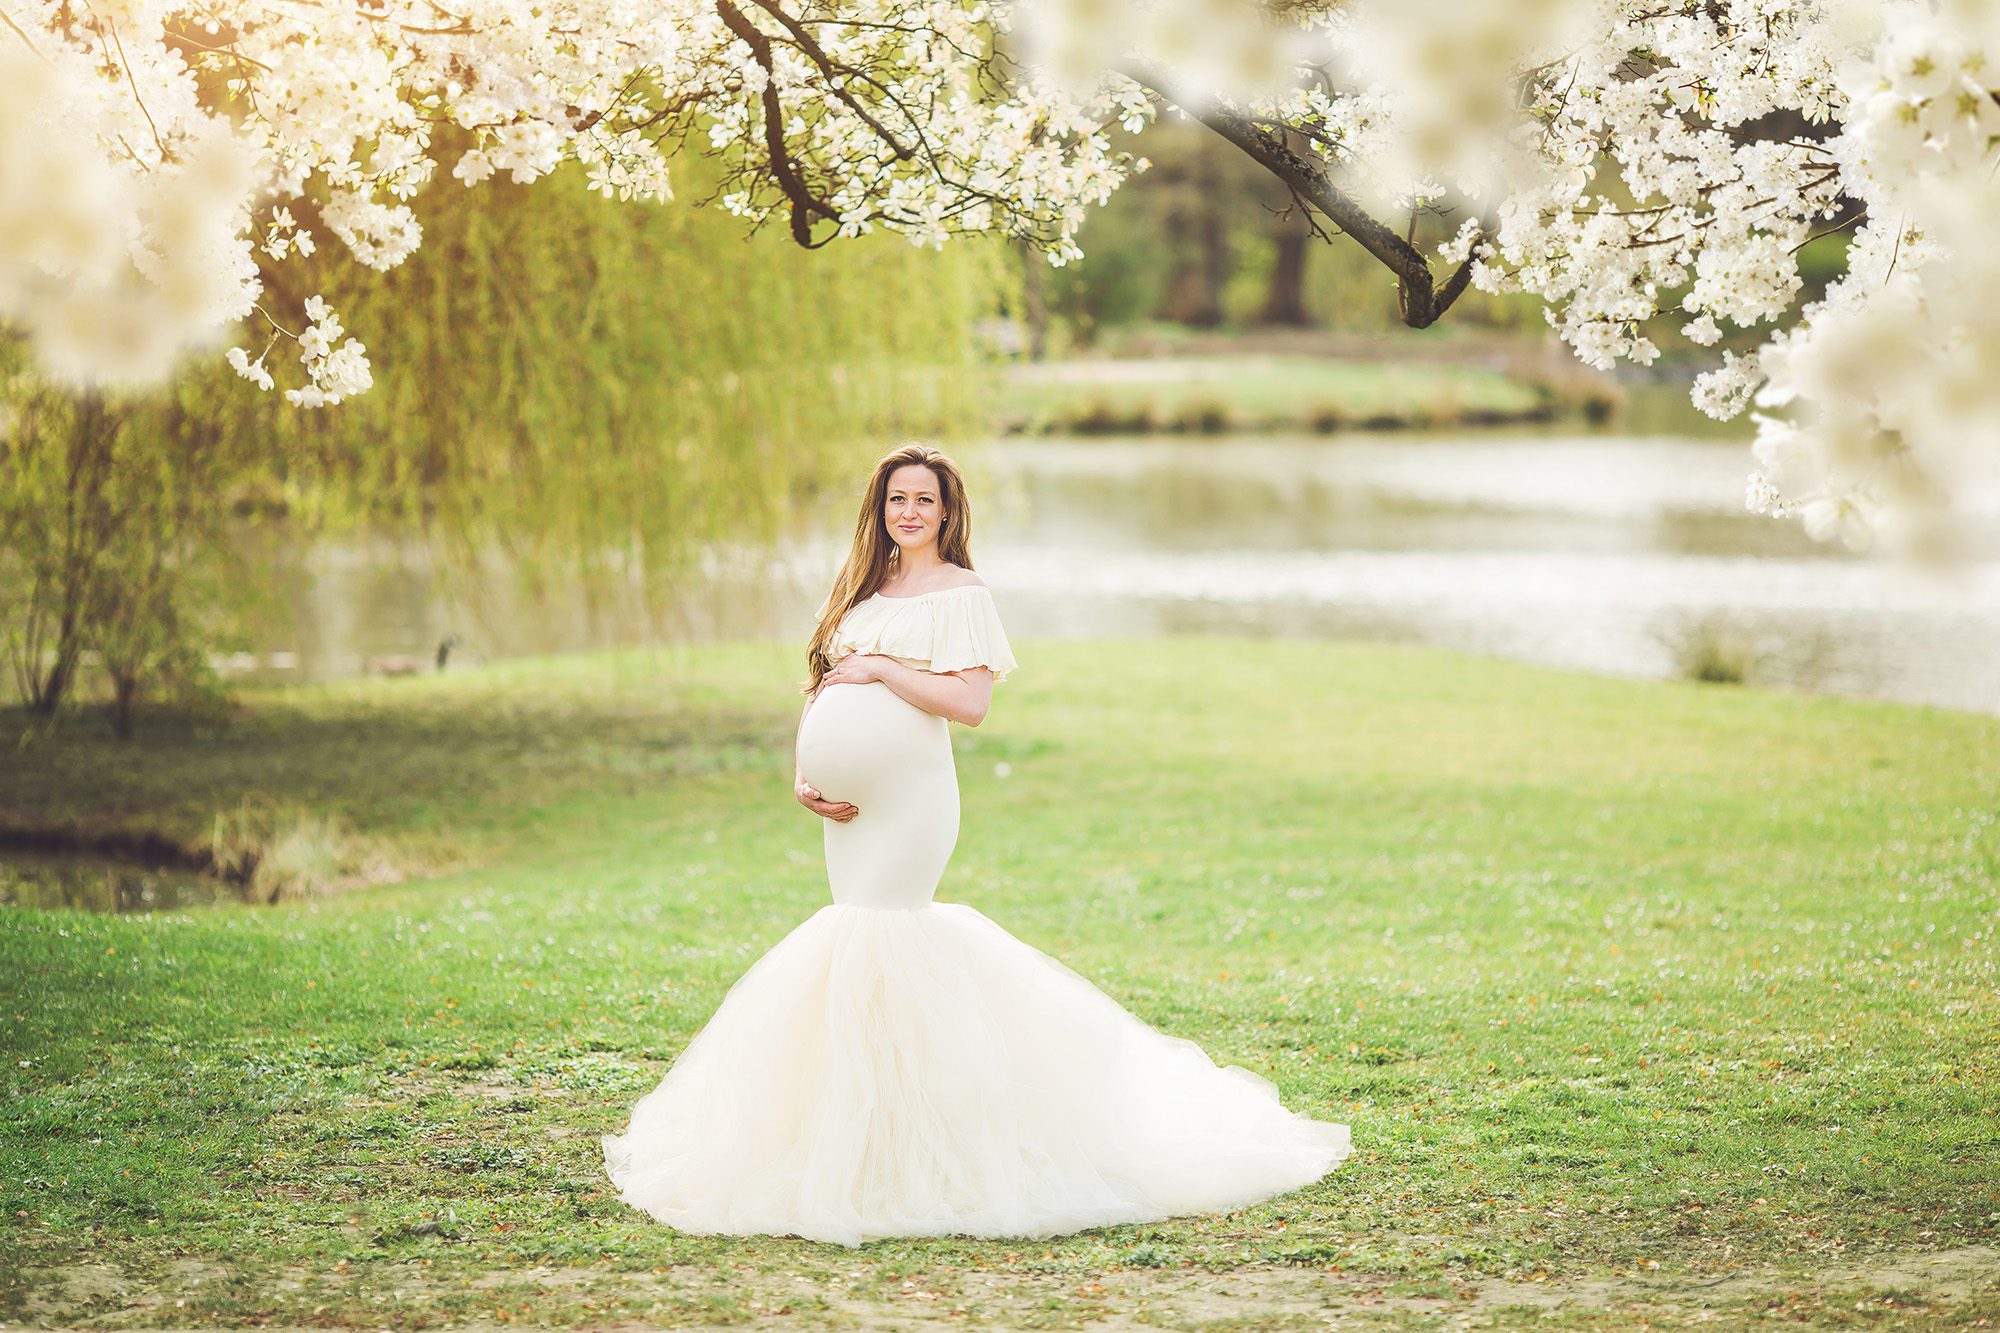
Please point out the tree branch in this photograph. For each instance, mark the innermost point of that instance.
(817, 54)
(804, 204)
(1421, 301)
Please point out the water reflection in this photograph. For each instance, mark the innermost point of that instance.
(1629, 556)
(1620, 554)
(97, 884)
(1644, 615)
(381, 605)
(1406, 492)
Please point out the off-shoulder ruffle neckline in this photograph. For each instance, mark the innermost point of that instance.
(919, 596)
(940, 632)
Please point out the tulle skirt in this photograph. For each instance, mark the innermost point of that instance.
(889, 1072)
(897, 1066)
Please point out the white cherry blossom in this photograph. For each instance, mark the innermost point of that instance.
(1635, 165)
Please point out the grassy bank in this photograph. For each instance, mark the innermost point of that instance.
(1650, 998)
(1253, 392)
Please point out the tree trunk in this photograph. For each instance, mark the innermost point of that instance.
(125, 689)
(86, 525)
(1215, 256)
(1285, 300)
(1180, 293)
(1192, 245)
(48, 690)
(1035, 303)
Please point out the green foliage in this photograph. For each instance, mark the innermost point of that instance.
(581, 385)
(111, 556)
(615, 385)
(1259, 393)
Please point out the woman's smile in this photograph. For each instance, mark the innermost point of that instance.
(911, 506)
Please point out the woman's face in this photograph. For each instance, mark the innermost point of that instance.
(913, 510)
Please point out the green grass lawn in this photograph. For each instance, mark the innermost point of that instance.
(1262, 392)
(1625, 988)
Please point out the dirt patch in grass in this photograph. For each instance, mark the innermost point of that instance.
(1887, 1289)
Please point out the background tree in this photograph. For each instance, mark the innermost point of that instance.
(1285, 295)
(1206, 238)
(599, 392)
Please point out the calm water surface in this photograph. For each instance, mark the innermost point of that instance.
(101, 884)
(1629, 555)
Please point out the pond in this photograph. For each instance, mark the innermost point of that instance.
(101, 884)
(1630, 556)
(1619, 553)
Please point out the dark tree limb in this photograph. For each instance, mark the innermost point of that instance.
(804, 202)
(819, 57)
(1296, 155)
(1419, 298)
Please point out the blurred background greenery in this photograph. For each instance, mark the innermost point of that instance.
(600, 396)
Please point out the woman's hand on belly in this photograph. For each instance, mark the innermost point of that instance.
(957, 696)
(809, 797)
(856, 669)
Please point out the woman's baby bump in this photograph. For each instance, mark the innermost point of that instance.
(861, 741)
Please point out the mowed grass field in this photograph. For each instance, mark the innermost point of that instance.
(1649, 1003)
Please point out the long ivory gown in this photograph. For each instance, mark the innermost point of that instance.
(897, 1066)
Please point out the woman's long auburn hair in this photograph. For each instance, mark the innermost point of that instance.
(875, 555)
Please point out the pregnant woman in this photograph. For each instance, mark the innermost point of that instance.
(897, 1066)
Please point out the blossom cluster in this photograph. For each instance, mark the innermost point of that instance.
(1632, 163)
(1686, 155)
(1629, 162)
(162, 162)
(1885, 420)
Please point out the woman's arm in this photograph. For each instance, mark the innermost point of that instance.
(962, 696)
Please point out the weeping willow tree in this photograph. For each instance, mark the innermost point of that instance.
(611, 388)
(599, 391)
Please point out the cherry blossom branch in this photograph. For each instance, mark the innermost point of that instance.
(804, 203)
(133, 81)
(1419, 301)
(817, 54)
